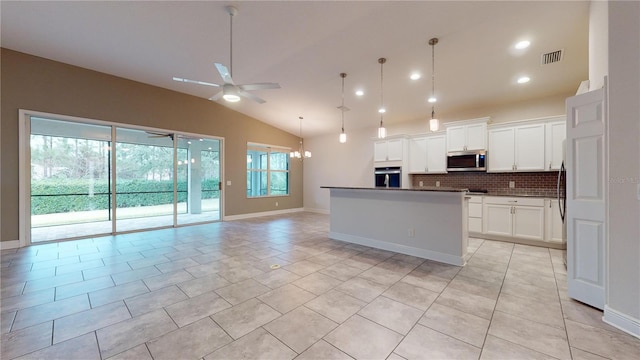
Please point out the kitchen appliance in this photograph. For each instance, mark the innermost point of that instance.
(388, 177)
(467, 160)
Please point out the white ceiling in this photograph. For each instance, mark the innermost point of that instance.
(305, 45)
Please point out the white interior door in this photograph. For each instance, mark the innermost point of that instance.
(586, 202)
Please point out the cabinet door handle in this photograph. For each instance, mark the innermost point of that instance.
(549, 165)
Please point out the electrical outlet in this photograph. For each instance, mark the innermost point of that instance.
(437, 183)
(421, 183)
(276, 204)
(411, 232)
(512, 184)
(228, 182)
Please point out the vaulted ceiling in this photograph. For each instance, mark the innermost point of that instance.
(305, 45)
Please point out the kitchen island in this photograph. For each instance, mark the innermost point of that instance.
(429, 223)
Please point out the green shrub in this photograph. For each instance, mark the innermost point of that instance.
(63, 195)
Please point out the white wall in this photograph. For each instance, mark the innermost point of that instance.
(598, 43)
(336, 164)
(623, 285)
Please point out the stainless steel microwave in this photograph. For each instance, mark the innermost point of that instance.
(467, 161)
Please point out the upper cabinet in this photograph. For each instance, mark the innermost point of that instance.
(389, 150)
(428, 154)
(556, 134)
(517, 148)
(532, 145)
(467, 135)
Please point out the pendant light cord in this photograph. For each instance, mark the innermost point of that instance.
(381, 61)
(433, 43)
(343, 75)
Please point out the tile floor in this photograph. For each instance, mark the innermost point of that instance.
(209, 291)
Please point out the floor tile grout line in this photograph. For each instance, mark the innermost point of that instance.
(495, 306)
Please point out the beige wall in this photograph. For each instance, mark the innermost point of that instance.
(598, 43)
(38, 84)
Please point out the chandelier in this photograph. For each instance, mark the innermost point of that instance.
(301, 153)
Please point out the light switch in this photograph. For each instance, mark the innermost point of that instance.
(228, 182)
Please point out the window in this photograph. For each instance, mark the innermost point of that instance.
(267, 171)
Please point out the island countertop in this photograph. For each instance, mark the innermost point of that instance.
(423, 188)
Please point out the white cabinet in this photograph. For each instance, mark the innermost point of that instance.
(418, 155)
(436, 154)
(388, 150)
(475, 214)
(467, 137)
(556, 133)
(514, 217)
(517, 148)
(553, 221)
(427, 154)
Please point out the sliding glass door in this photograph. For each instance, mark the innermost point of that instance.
(70, 168)
(88, 179)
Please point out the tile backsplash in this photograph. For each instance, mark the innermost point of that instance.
(542, 183)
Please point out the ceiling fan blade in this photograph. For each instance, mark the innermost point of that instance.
(259, 86)
(195, 82)
(249, 95)
(224, 73)
(216, 96)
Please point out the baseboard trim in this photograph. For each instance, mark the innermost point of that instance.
(11, 244)
(399, 248)
(621, 321)
(260, 214)
(515, 240)
(317, 211)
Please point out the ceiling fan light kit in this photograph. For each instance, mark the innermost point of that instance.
(230, 91)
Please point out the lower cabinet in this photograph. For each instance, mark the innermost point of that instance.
(514, 217)
(475, 214)
(554, 228)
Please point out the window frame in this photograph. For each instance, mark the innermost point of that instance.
(252, 148)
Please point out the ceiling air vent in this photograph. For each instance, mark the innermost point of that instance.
(551, 57)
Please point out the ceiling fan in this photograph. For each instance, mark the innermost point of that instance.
(230, 91)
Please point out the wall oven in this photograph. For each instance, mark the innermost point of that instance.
(388, 177)
(467, 161)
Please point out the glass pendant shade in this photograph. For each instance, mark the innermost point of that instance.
(343, 137)
(434, 124)
(382, 132)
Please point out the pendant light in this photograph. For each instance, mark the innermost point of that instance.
(343, 136)
(434, 124)
(301, 153)
(382, 132)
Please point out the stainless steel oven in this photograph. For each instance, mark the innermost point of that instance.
(388, 177)
(467, 161)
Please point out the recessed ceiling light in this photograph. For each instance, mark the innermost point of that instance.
(522, 44)
(523, 80)
(359, 92)
(432, 99)
(415, 76)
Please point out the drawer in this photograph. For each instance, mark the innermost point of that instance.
(514, 201)
(475, 210)
(475, 199)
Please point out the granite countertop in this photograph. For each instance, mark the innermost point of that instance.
(423, 188)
